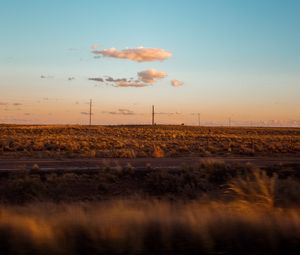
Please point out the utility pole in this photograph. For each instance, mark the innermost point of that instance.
(199, 119)
(229, 122)
(90, 112)
(153, 115)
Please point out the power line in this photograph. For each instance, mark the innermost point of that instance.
(90, 112)
(153, 115)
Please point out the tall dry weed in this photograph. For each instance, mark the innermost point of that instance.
(255, 188)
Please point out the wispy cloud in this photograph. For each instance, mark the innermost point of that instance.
(86, 113)
(46, 76)
(51, 99)
(96, 79)
(3, 103)
(144, 78)
(135, 54)
(120, 82)
(17, 104)
(120, 112)
(110, 79)
(168, 113)
(176, 83)
(135, 84)
(71, 78)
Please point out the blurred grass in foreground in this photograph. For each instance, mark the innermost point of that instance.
(149, 227)
(249, 223)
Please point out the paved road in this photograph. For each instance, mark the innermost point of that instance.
(81, 164)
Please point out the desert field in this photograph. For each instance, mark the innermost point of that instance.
(145, 141)
(149, 190)
(140, 127)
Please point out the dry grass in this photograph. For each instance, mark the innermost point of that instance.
(145, 141)
(274, 187)
(149, 227)
(158, 152)
(250, 223)
(255, 188)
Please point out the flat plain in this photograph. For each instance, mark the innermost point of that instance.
(146, 141)
(149, 190)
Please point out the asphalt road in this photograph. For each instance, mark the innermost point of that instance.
(82, 164)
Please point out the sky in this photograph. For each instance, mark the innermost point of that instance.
(233, 59)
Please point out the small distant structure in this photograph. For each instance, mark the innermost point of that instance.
(199, 119)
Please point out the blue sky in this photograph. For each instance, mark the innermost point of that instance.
(238, 59)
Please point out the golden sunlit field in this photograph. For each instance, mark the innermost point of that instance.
(149, 190)
(145, 141)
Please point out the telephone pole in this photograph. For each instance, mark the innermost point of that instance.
(199, 119)
(153, 115)
(90, 112)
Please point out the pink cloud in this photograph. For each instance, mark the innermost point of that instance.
(145, 78)
(136, 54)
(135, 84)
(151, 75)
(176, 83)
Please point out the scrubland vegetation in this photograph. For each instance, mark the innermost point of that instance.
(209, 180)
(144, 141)
(210, 207)
(251, 220)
